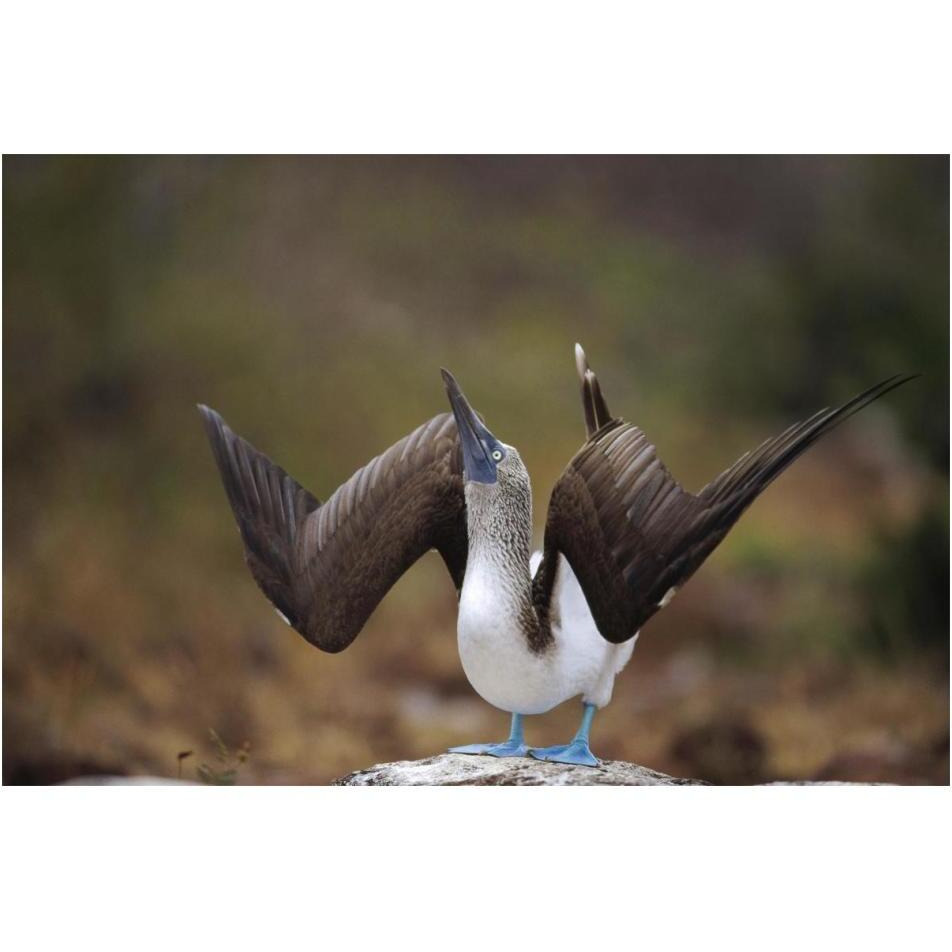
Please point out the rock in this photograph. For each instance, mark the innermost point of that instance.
(460, 770)
(456, 770)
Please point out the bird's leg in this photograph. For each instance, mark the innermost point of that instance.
(578, 751)
(514, 747)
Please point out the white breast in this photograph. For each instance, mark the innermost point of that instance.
(494, 650)
(592, 663)
(496, 656)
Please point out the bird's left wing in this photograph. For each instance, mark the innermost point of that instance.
(622, 522)
(325, 567)
(632, 535)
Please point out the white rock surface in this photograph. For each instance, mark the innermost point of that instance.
(456, 770)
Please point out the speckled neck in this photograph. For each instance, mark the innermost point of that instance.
(499, 525)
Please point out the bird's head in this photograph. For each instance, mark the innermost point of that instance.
(486, 461)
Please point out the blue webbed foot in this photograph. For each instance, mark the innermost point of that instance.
(578, 752)
(506, 749)
(514, 747)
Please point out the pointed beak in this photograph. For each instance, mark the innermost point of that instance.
(475, 439)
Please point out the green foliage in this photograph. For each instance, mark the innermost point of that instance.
(224, 772)
(312, 302)
(905, 586)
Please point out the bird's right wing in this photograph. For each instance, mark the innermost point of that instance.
(325, 567)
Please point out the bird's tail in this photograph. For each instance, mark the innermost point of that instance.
(593, 403)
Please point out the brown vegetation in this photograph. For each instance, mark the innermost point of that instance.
(313, 301)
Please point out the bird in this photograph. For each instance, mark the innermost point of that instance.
(534, 629)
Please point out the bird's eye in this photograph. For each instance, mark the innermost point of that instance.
(497, 455)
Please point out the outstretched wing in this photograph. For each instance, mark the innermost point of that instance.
(325, 567)
(632, 535)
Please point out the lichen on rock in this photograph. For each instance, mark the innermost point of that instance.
(455, 770)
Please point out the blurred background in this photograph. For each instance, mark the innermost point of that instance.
(312, 301)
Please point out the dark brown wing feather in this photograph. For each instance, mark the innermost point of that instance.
(326, 567)
(631, 533)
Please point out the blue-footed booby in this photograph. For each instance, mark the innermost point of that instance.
(534, 629)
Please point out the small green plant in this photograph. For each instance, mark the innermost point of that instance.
(224, 771)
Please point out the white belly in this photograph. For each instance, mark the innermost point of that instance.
(496, 656)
